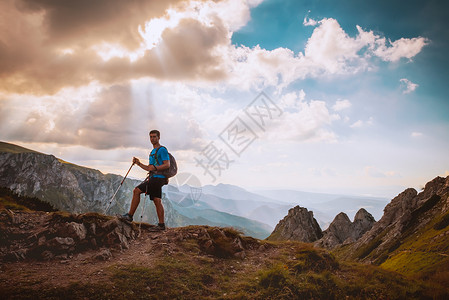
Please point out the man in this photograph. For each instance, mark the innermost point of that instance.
(152, 186)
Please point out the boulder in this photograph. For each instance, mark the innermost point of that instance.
(73, 230)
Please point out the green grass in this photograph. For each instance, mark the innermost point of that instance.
(368, 248)
(422, 255)
(11, 148)
(414, 262)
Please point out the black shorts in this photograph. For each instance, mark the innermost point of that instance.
(153, 187)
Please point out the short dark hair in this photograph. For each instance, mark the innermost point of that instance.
(156, 132)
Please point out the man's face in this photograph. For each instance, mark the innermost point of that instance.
(153, 138)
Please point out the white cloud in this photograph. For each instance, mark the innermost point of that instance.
(341, 105)
(319, 172)
(357, 124)
(416, 134)
(408, 85)
(189, 41)
(332, 50)
(304, 121)
(292, 100)
(360, 123)
(309, 22)
(80, 118)
(329, 50)
(403, 47)
(372, 171)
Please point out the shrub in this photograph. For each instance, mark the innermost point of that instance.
(315, 260)
(275, 277)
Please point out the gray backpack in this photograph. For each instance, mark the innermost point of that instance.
(172, 170)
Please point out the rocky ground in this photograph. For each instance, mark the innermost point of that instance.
(89, 256)
(58, 249)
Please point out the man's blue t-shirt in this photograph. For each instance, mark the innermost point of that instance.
(162, 154)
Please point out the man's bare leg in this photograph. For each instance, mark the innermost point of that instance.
(159, 209)
(135, 201)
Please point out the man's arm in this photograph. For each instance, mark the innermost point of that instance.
(165, 165)
(143, 166)
(152, 168)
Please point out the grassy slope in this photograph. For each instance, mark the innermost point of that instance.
(424, 254)
(293, 271)
(421, 254)
(6, 147)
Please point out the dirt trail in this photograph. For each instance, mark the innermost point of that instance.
(83, 267)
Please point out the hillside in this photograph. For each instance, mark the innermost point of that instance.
(11, 148)
(412, 237)
(77, 189)
(91, 256)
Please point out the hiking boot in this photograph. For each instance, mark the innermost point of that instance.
(159, 227)
(126, 217)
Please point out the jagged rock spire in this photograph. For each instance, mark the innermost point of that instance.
(342, 230)
(298, 225)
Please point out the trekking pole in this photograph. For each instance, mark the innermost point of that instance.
(144, 203)
(110, 201)
(143, 212)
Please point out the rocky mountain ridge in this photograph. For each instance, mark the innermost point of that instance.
(408, 220)
(65, 186)
(412, 236)
(300, 225)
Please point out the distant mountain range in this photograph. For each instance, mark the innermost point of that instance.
(78, 189)
(270, 206)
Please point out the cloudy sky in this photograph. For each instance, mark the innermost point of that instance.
(319, 95)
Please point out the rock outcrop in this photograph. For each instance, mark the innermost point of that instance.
(298, 225)
(343, 231)
(44, 236)
(65, 186)
(363, 221)
(403, 217)
(60, 235)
